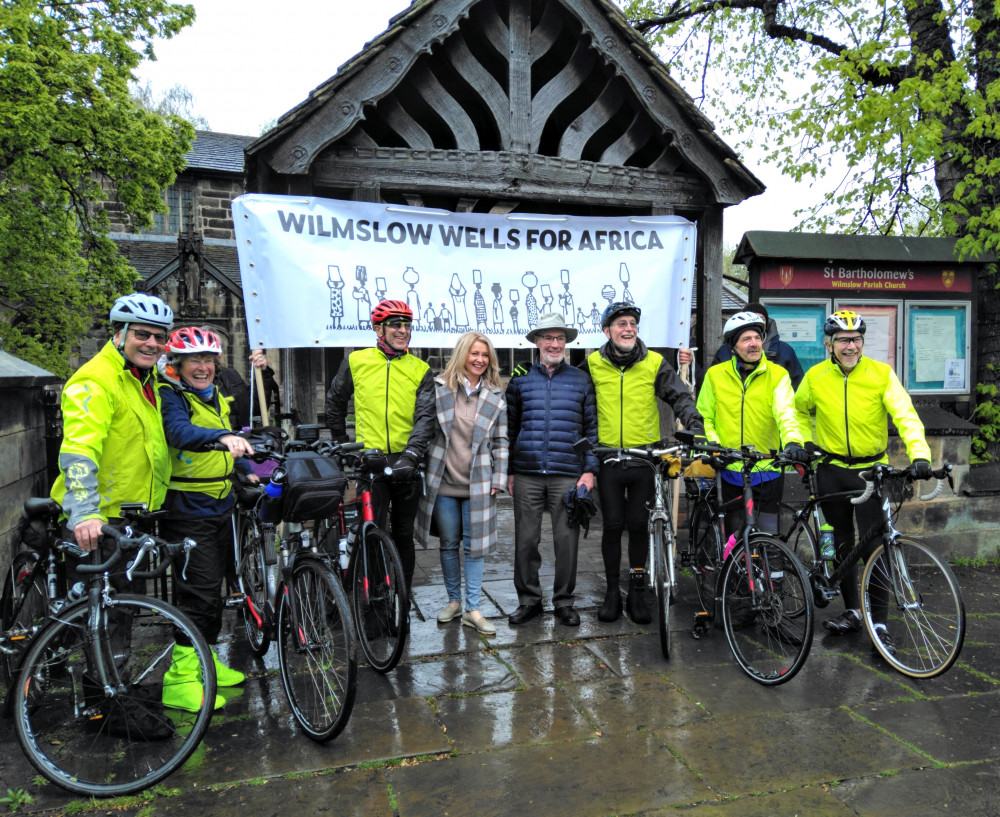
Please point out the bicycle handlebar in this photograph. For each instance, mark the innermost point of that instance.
(143, 544)
(880, 472)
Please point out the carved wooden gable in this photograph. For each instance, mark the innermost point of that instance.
(528, 99)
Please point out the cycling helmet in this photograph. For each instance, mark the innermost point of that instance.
(385, 310)
(191, 341)
(741, 321)
(844, 321)
(141, 308)
(619, 308)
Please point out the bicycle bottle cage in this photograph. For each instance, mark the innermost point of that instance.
(314, 487)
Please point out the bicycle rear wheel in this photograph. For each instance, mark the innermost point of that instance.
(769, 643)
(380, 602)
(256, 551)
(921, 604)
(316, 650)
(23, 609)
(94, 744)
(706, 554)
(661, 583)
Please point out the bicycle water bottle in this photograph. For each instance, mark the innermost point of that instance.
(270, 509)
(345, 557)
(827, 551)
(730, 544)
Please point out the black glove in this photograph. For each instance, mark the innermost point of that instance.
(921, 469)
(404, 469)
(796, 453)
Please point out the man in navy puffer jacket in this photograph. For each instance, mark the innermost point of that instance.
(548, 409)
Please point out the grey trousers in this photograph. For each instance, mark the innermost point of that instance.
(533, 496)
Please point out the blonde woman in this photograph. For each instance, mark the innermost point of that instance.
(467, 468)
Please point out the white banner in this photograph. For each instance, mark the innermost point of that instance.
(313, 268)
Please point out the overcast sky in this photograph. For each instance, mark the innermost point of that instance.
(246, 62)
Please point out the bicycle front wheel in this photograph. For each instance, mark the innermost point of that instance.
(316, 650)
(110, 737)
(706, 554)
(380, 601)
(256, 550)
(23, 609)
(661, 583)
(918, 599)
(767, 610)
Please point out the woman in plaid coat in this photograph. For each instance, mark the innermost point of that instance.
(467, 468)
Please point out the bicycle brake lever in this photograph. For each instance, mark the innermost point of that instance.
(147, 545)
(188, 545)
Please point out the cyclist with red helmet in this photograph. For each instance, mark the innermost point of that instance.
(852, 397)
(747, 400)
(393, 394)
(199, 499)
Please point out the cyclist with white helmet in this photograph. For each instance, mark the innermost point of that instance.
(393, 394)
(200, 499)
(113, 451)
(852, 397)
(628, 378)
(747, 400)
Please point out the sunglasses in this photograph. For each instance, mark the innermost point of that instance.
(142, 335)
(398, 324)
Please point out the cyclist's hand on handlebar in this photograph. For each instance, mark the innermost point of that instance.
(921, 469)
(796, 453)
(88, 533)
(405, 468)
(237, 446)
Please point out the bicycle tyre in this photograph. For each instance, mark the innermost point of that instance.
(768, 643)
(90, 744)
(929, 634)
(24, 607)
(706, 555)
(661, 584)
(379, 600)
(253, 583)
(318, 659)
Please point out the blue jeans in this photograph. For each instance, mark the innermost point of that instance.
(454, 523)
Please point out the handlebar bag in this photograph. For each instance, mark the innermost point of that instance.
(314, 487)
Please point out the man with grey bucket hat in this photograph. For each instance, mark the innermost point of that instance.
(548, 409)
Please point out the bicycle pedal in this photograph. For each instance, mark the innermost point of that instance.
(234, 602)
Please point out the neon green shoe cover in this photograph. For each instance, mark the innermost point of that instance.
(182, 688)
(226, 677)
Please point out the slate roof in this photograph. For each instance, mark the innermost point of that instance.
(771, 244)
(221, 152)
(150, 254)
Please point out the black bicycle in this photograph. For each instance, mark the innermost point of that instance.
(86, 702)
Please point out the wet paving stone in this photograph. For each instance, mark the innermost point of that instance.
(950, 730)
(547, 664)
(771, 751)
(967, 790)
(471, 674)
(429, 638)
(636, 703)
(810, 801)
(538, 715)
(642, 653)
(618, 775)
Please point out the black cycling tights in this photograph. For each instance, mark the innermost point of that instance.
(625, 495)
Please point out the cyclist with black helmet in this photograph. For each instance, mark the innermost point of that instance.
(748, 400)
(200, 499)
(393, 411)
(628, 378)
(852, 397)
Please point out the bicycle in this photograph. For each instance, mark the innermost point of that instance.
(660, 562)
(86, 704)
(369, 562)
(924, 602)
(293, 596)
(755, 579)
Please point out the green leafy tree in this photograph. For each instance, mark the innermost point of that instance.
(902, 93)
(71, 138)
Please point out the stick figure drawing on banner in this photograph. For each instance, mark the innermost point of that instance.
(624, 276)
(380, 289)
(335, 281)
(458, 290)
(566, 298)
(445, 317)
(431, 320)
(595, 317)
(411, 277)
(546, 299)
(530, 280)
(479, 302)
(360, 293)
(581, 319)
(497, 291)
(514, 298)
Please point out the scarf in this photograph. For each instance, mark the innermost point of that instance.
(387, 350)
(620, 359)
